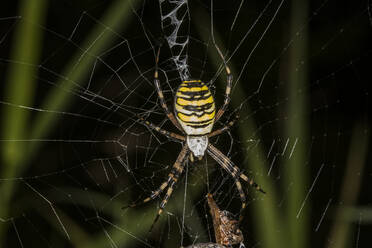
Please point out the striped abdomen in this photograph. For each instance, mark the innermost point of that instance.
(194, 107)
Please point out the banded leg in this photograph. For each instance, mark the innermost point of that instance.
(166, 133)
(163, 104)
(228, 86)
(230, 167)
(242, 198)
(235, 172)
(162, 205)
(178, 165)
(225, 128)
(171, 176)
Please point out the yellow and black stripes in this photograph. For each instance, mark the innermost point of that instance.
(194, 107)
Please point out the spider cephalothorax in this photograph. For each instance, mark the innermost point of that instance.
(195, 115)
(197, 145)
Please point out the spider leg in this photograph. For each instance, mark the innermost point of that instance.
(230, 167)
(166, 133)
(178, 165)
(242, 198)
(171, 176)
(163, 104)
(234, 171)
(225, 128)
(162, 204)
(228, 86)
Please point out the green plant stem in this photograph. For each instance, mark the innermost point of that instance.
(295, 168)
(20, 87)
(341, 229)
(79, 67)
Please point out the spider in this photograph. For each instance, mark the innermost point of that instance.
(194, 115)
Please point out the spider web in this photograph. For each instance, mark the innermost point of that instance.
(74, 153)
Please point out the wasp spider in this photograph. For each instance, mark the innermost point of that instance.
(194, 115)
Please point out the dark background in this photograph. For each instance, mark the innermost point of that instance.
(337, 40)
